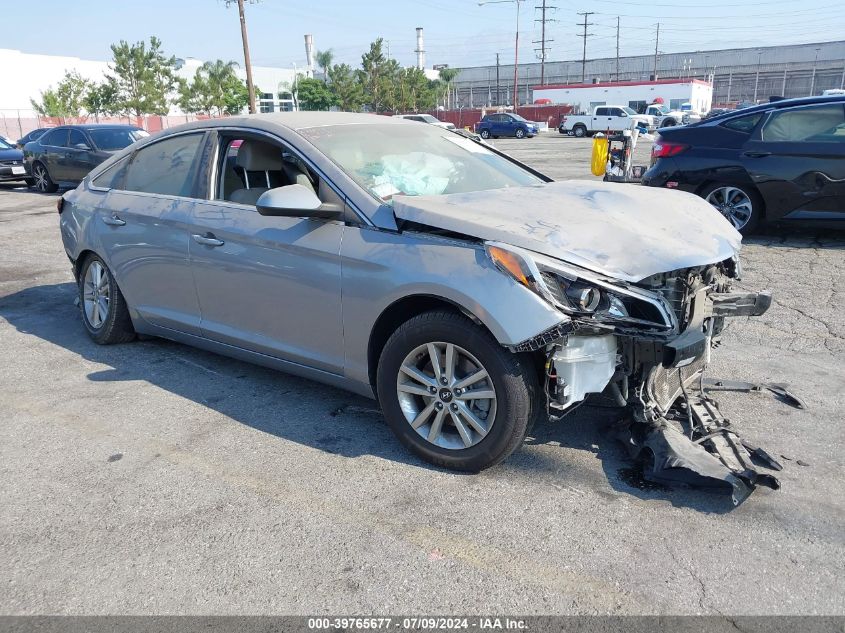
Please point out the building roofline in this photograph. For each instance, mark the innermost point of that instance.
(616, 84)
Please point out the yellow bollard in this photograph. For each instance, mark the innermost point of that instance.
(599, 161)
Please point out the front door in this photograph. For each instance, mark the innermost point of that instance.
(79, 156)
(267, 284)
(797, 161)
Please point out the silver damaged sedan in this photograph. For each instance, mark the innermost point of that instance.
(468, 293)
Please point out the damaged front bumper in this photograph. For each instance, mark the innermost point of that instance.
(669, 415)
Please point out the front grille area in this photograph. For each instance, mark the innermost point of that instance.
(664, 383)
(11, 162)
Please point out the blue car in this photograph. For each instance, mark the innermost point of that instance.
(11, 164)
(505, 124)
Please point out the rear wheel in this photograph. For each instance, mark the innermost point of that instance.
(741, 205)
(580, 131)
(104, 312)
(452, 394)
(41, 179)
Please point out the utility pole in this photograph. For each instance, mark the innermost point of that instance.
(617, 48)
(585, 35)
(757, 74)
(498, 90)
(543, 8)
(516, 60)
(815, 62)
(656, 43)
(247, 63)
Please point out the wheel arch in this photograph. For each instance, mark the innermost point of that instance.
(402, 310)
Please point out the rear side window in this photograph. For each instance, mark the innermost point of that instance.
(56, 138)
(819, 124)
(744, 124)
(602, 111)
(166, 167)
(112, 178)
(77, 138)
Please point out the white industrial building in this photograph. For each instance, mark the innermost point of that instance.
(672, 92)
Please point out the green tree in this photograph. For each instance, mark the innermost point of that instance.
(313, 94)
(346, 87)
(324, 60)
(419, 92)
(218, 81)
(447, 76)
(371, 76)
(48, 104)
(100, 99)
(142, 78)
(66, 100)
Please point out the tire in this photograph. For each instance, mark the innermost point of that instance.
(41, 179)
(115, 326)
(485, 134)
(520, 133)
(668, 123)
(731, 201)
(580, 131)
(509, 379)
(561, 130)
(30, 182)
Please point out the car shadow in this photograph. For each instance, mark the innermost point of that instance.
(781, 236)
(320, 416)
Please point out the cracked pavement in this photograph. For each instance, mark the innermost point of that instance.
(155, 478)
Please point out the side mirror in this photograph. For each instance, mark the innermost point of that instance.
(295, 201)
(624, 114)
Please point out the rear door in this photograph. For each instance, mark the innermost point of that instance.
(796, 158)
(142, 226)
(54, 145)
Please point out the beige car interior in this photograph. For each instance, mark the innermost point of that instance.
(256, 167)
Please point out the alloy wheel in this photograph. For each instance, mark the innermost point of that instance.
(96, 295)
(39, 174)
(733, 203)
(446, 395)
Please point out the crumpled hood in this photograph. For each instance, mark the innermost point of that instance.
(626, 231)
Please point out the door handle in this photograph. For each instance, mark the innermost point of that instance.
(756, 154)
(207, 240)
(113, 221)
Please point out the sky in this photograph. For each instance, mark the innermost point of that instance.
(457, 32)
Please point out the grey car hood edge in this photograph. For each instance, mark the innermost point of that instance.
(625, 231)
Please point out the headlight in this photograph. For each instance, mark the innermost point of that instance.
(579, 292)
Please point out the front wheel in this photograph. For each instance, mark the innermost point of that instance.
(741, 205)
(485, 134)
(452, 394)
(41, 179)
(520, 133)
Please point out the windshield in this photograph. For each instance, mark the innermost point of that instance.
(4, 144)
(389, 160)
(629, 110)
(428, 118)
(112, 139)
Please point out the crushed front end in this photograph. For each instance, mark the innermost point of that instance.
(646, 345)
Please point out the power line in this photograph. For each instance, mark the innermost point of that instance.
(585, 35)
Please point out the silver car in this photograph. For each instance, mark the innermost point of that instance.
(468, 293)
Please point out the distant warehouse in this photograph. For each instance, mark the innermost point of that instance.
(674, 93)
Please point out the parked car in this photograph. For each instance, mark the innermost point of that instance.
(505, 124)
(426, 118)
(64, 155)
(664, 117)
(465, 291)
(32, 136)
(613, 118)
(776, 162)
(11, 164)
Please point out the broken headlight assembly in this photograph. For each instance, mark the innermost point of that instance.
(581, 294)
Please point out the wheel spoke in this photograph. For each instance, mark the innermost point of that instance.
(471, 379)
(416, 390)
(451, 360)
(436, 426)
(473, 420)
(478, 394)
(423, 416)
(104, 307)
(417, 375)
(463, 431)
(434, 355)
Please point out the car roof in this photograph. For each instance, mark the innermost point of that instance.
(774, 105)
(304, 120)
(94, 126)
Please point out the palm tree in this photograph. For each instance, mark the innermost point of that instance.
(324, 61)
(447, 76)
(218, 76)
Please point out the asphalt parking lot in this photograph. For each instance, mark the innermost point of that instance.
(155, 478)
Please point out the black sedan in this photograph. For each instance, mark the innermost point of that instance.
(11, 164)
(64, 155)
(34, 135)
(777, 162)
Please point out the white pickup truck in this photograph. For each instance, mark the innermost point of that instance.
(613, 118)
(664, 117)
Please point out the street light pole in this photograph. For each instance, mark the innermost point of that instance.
(516, 46)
